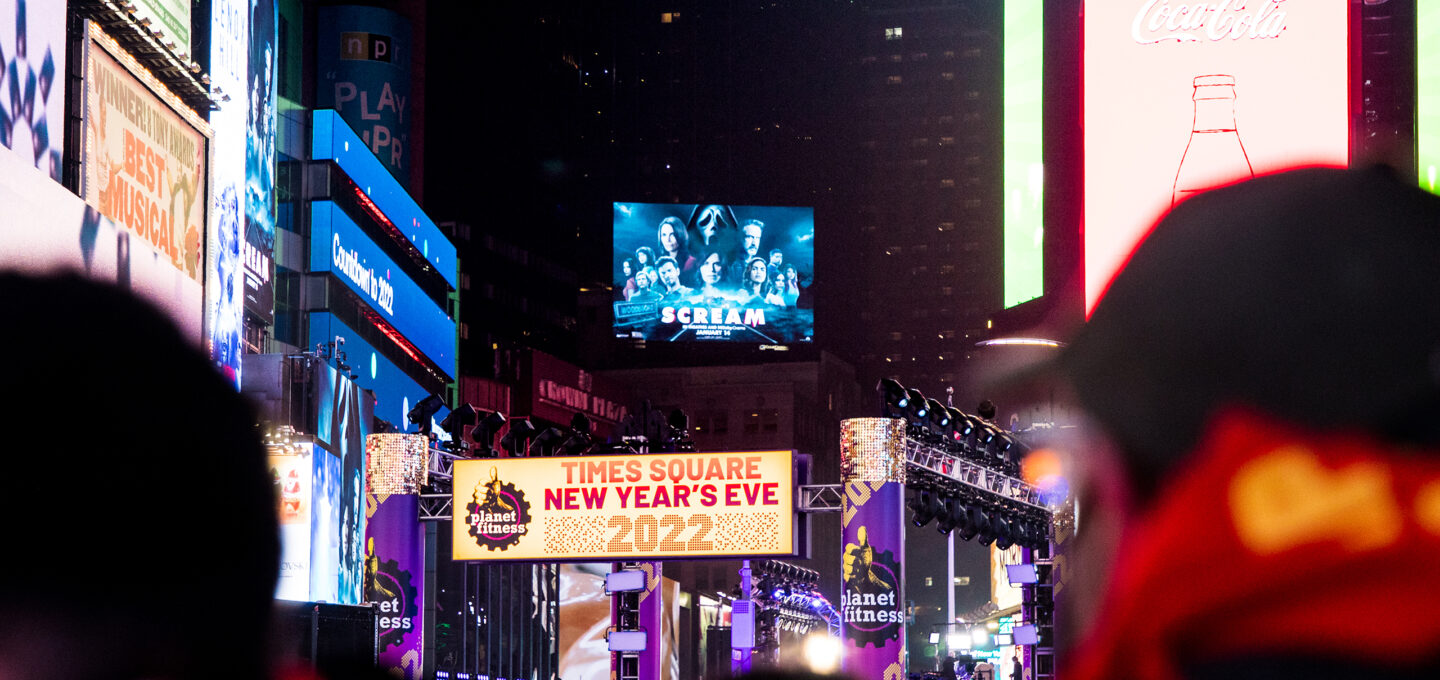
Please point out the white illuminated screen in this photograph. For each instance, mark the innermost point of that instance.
(1182, 96)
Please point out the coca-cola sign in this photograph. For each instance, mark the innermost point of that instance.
(1182, 96)
(1159, 20)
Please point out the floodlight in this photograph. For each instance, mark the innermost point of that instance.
(490, 423)
(949, 516)
(893, 396)
(455, 422)
(624, 581)
(547, 442)
(1026, 634)
(625, 640)
(925, 506)
(967, 524)
(979, 636)
(934, 638)
(959, 641)
(424, 411)
(1021, 574)
(516, 439)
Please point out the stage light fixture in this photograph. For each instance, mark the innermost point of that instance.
(423, 413)
(918, 405)
(1004, 538)
(966, 522)
(547, 443)
(381, 426)
(516, 439)
(985, 533)
(893, 396)
(926, 507)
(949, 516)
(484, 432)
(455, 421)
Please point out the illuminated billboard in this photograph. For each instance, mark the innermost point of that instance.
(32, 122)
(364, 67)
(146, 155)
(615, 508)
(1179, 98)
(45, 228)
(291, 473)
(1427, 93)
(340, 246)
(224, 289)
(170, 18)
(714, 273)
(259, 201)
(1024, 160)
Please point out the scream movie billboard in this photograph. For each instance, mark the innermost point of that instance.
(618, 508)
(714, 273)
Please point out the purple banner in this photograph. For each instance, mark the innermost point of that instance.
(872, 604)
(873, 601)
(652, 621)
(395, 579)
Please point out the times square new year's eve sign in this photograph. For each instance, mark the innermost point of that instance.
(604, 508)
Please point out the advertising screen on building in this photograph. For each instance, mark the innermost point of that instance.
(146, 155)
(364, 56)
(714, 273)
(259, 201)
(32, 48)
(614, 508)
(340, 246)
(290, 472)
(169, 17)
(1024, 160)
(1179, 98)
(1427, 94)
(225, 281)
(44, 228)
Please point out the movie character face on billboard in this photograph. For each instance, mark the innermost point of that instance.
(713, 226)
(628, 268)
(642, 279)
(777, 258)
(752, 230)
(644, 257)
(672, 237)
(755, 273)
(712, 268)
(669, 273)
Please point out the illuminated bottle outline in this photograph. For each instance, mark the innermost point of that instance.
(1214, 154)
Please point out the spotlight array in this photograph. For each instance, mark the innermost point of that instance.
(973, 517)
(970, 437)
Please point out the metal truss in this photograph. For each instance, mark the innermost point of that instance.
(927, 463)
(924, 463)
(820, 498)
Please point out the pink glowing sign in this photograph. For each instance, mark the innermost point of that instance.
(1181, 97)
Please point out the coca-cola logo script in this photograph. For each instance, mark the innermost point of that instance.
(1159, 20)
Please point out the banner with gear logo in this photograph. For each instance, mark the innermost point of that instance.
(872, 470)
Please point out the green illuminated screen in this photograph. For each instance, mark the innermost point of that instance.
(1024, 168)
(1427, 93)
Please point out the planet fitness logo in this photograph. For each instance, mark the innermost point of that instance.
(498, 514)
(872, 611)
(393, 590)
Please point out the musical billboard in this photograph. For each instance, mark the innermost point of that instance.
(714, 273)
(146, 155)
(618, 508)
(1179, 98)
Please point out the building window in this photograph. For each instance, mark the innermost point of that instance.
(947, 183)
(929, 581)
(893, 33)
(896, 58)
(897, 336)
(947, 226)
(947, 76)
(669, 17)
(762, 420)
(893, 80)
(711, 422)
(947, 141)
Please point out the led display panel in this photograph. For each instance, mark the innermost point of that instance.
(714, 273)
(623, 508)
(224, 289)
(1427, 93)
(340, 246)
(1024, 160)
(146, 155)
(1182, 97)
(32, 49)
